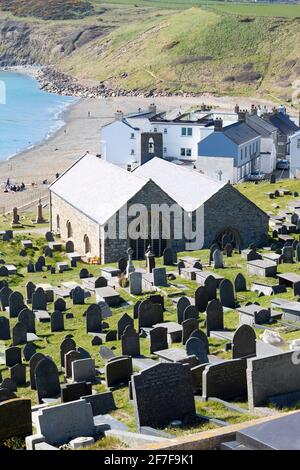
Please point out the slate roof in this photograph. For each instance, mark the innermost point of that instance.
(260, 125)
(240, 133)
(283, 123)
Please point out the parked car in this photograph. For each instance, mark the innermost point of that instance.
(283, 165)
(256, 176)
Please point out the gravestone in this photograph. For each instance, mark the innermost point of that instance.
(130, 342)
(169, 257)
(158, 339)
(135, 283)
(150, 260)
(240, 283)
(27, 318)
(244, 342)
(16, 414)
(159, 277)
(101, 403)
(273, 178)
(60, 304)
(39, 299)
(12, 356)
(34, 360)
(190, 312)
(228, 250)
(30, 288)
(105, 310)
(4, 271)
(83, 370)
(28, 351)
(298, 252)
(16, 304)
(94, 319)
(227, 293)
(218, 259)
(101, 282)
(46, 379)
(163, 393)
(182, 304)
(30, 267)
(5, 293)
(4, 329)
(84, 273)
(202, 336)
(149, 314)
(122, 264)
(57, 321)
(49, 236)
(70, 246)
(19, 334)
(225, 380)
(9, 385)
(124, 321)
(188, 326)
(69, 358)
(78, 296)
(214, 316)
(197, 347)
(118, 371)
(106, 353)
(201, 298)
(212, 249)
(18, 374)
(6, 395)
(67, 345)
(287, 254)
(210, 285)
(48, 252)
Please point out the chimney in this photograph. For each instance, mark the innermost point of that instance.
(152, 108)
(253, 109)
(218, 124)
(119, 115)
(236, 109)
(242, 115)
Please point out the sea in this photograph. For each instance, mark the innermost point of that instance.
(28, 115)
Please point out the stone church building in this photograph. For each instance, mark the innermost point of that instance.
(94, 196)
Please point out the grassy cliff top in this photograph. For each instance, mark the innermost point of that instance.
(48, 9)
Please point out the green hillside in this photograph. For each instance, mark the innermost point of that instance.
(48, 9)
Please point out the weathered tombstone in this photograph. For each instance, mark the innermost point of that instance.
(16, 304)
(4, 329)
(30, 267)
(122, 264)
(16, 414)
(101, 403)
(225, 380)
(6, 395)
(84, 273)
(169, 257)
(163, 393)
(201, 335)
(214, 316)
(149, 314)
(124, 321)
(130, 342)
(158, 339)
(180, 266)
(227, 293)
(18, 374)
(106, 353)
(19, 334)
(135, 283)
(28, 351)
(273, 178)
(70, 246)
(30, 288)
(182, 304)
(244, 342)
(67, 345)
(69, 358)
(188, 326)
(190, 312)
(48, 252)
(73, 263)
(27, 318)
(118, 371)
(130, 267)
(210, 284)
(159, 277)
(100, 282)
(298, 252)
(57, 321)
(150, 260)
(49, 237)
(12, 356)
(39, 300)
(197, 347)
(83, 370)
(9, 385)
(218, 259)
(213, 248)
(46, 380)
(287, 254)
(5, 293)
(105, 310)
(60, 304)
(16, 217)
(94, 319)
(240, 283)
(201, 298)
(78, 296)
(34, 360)
(41, 262)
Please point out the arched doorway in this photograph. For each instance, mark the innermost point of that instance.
(87, 244)
(229, 234)
(69, 230)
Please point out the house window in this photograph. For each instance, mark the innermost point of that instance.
(183, 131)
(165, 130)
(188, 152)
(185, 152)
(151, 145)
(182, 152)
(246, 152)
(189, 131)
(155, 129)
(132, 136)
(186, 131)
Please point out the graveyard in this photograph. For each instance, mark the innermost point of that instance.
(196, 330)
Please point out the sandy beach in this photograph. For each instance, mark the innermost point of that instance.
(81, 133)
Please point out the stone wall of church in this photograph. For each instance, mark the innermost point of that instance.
(81, 225)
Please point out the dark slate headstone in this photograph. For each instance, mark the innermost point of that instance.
(190, 312)
(6, 395)
(122, 264)
(40, 264)
(9, 385)
(101, 403)
(136, 309)
(12, 356)
(73, 263)
(149, 314)
(70, 357)
(27, 318)
(5, 293)
(244, 342)
(287, 254)
(130, 342)
(70, 246)
(158, 339)
(84, 273)
(83, 353)
(197, 347)
(57, 321)
(106, 353)
(202, 336)
(17, 416)
(169, 257)
(188, 326)
(46, 379)
(100, 282)
(180, 266)
(210, 285)
(4, 329)
(162, 394)
(60, 304)
(157, 299)
(226, 380)
(118, 371)
(182, 304)
(78, 296)
(30, 267)
(74, 391)
(49, 236)
(297, 254)
(4, 271)
(34, 360)
(18, 374)
(30, 288)
(39, 300)
(201, 298)
(96, 341)
(240, 283)
(273, 178)
(28, 351)
(19, 334)
(212, 249)
(16, 304)
(227, 293)
(94, 319)
(48, 252)
(214, 316)
(124, 321)
(67, 345)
